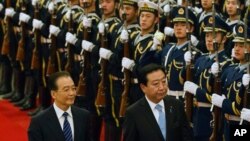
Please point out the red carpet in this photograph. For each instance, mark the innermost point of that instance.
(13, 122)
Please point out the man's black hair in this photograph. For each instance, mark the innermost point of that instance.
(145, 70)
(54, 77)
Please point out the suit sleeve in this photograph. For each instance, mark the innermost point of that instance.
(34, 131)
(129, 128)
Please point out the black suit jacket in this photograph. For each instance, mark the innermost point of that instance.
(46, 126)
(141, 125)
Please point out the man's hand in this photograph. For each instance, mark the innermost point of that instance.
(190, 87)
(128, 63)
(217, 100)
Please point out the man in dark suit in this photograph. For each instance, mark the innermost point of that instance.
(145, 122)
(61, 121)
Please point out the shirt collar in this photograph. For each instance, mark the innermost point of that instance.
(59, 112)
(182, 45)
(243, 66)
(152, 104)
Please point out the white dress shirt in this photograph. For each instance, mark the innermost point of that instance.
(59, 114)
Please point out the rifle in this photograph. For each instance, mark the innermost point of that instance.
(53, 62)
(21, 43)
(35, 63)
(5, 50)
(168, 24)
(217, 117)
(100, 98)
(70, 61)
(246, 98)
(124, 99)
(81, 88)
(189, 70)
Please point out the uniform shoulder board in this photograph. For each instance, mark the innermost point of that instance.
(94, 16)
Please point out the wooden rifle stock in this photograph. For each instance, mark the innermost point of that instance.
(70, 60)
(81, 88)
(100, 98)
(189, 96)
(35, 63)
(124, 99)
(6, 40)
(189, 70)
(20, 50)
(52, 63)
(217, 117)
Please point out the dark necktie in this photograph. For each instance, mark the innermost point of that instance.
(66, 128)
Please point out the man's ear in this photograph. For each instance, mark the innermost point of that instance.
(156, 20)
(53, 94)
(143, 87)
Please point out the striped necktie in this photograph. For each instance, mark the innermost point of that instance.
(66, 128)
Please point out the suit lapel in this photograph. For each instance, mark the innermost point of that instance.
(150, 118)
(54, 124)
(169, 117)
(76, 124)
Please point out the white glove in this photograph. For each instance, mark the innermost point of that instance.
(217, 100)
(51, 7)
(169, 31)
(166, 8)
(245, 114)
(1, 7)
(188, 57)
(34, 2)
(54, 30)
(190, 87)
(245, 79)
(215, 68)
(101, 27)
(9, 12)
(247, 3)
(197, 10)
(128, 63)
(233, 53)
(158, 36)
(37, 24)
(87, 22)
(194, 40)
(24, 17)
(68, 14)
(70, 38)
(124, 36)
(88, 46)
(105, 53)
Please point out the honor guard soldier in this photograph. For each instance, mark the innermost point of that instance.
(49, 11)
(87, 37)
(173, 54)
(144, 41)
(19, 41)
(129, 26)
(202, 85)
(233, 12)
(5, 63)
(235, 80)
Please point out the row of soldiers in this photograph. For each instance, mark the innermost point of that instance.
(100, 41)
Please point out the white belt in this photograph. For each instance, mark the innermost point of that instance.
(203, 104)
(177, 94)
(232, 117)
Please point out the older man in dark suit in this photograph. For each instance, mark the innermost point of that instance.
(61, 121)
(156, 117)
